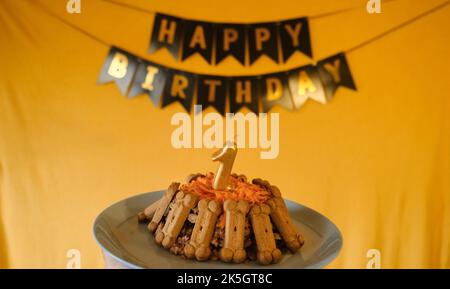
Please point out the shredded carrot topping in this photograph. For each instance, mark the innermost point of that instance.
(238, 189)
(221, 222)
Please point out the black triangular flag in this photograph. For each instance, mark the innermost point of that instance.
(294, 35)
(274, 90)
(212, 91)
(243, 91)
(167, 32)
(119, 67)
(334, 72)
(149, 78)
(179, 86)
(198, 37)
(263, 40)
(304, 83)
(230, 40)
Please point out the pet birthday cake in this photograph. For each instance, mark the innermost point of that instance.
(223, 217)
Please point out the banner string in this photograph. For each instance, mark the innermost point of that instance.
(125, 5)
(399, 26)
(68, 23)
(358, 46)
(317, 16)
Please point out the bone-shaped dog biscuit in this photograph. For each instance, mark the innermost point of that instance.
(148, 212)
(163, 203)
(281, 219)
(178, 214)
(199, 244)
(280, 216)
(265, 241)
(263, 184)
(241, 177)
(233, 249)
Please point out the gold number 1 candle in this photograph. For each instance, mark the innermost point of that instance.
(225, 157)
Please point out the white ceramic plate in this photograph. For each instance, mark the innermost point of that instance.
(128, 244)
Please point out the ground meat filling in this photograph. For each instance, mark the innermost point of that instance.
(185, 234)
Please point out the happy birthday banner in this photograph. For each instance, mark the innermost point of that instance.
(183, 38)
(289, 89)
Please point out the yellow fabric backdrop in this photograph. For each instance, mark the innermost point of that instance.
(376, 161)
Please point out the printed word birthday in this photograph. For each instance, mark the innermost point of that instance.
(289, 89)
